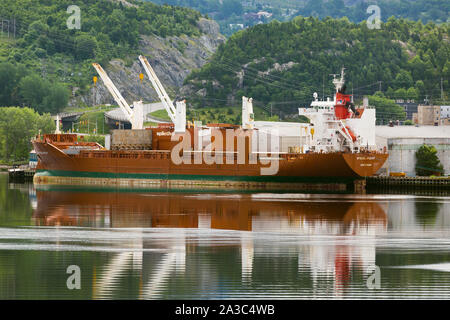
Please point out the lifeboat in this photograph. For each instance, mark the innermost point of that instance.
(351, 133)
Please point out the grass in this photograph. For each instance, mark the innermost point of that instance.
(150, 124)
(160, 114)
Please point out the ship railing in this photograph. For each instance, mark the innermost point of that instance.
(165, 155)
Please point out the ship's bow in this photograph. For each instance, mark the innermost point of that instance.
(365, 164)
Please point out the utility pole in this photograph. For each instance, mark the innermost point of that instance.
(379, 82)
(442, 90)
(5, 23)
(323, 87)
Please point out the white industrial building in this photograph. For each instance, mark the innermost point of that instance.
(445, 112)
(402, 143)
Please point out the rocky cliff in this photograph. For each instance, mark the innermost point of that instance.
(172, 58)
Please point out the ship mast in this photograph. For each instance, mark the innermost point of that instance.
(339, 83)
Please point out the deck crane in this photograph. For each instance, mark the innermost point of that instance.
(178, 114)
(134, 114)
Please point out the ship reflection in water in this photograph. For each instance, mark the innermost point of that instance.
(147, 245)
(325, 219)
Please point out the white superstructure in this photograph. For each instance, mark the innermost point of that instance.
(335, 125)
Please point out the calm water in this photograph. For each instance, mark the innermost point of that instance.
(148, 245)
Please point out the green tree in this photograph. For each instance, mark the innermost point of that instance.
(403, 80)
(17, 127)
(33, 89)
(56, 100)
(420, 86)
(427, 161)
(10, 76)
(42, 95)
(412, 94)
(386, 109)
(401, 94)
(35, 30)
(85, 47)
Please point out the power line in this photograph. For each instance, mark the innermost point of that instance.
(254, 74)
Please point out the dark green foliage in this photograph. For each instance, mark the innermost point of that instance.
(355, 10)
(425, 10)
(44, 24)
(46, 45)
(20, 87)
(317, 48)
(33, 89)
(85, 47)
(427, 161)
(56, 99)
(10, 76)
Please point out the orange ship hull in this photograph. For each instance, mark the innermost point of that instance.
(136, 168)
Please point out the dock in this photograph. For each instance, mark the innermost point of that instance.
(386, 182)
(21, 175)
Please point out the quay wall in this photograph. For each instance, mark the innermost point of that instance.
(402, 153)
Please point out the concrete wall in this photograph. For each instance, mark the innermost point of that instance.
(402, 153)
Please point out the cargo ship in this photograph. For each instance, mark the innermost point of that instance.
(331, 153)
